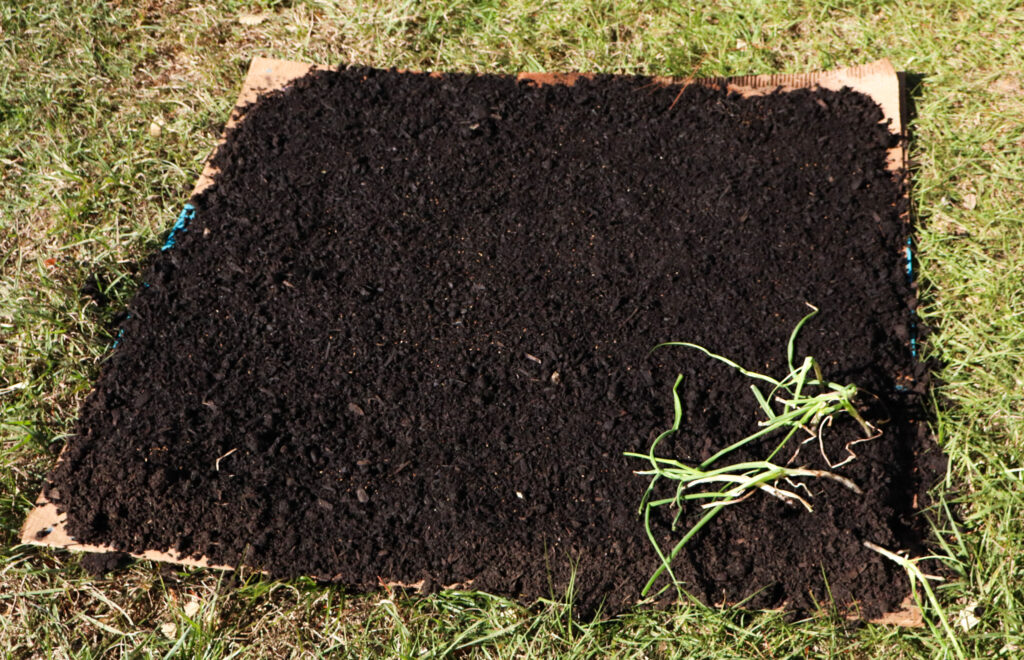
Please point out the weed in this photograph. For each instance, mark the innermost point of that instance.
(917, 576)
(800, 410)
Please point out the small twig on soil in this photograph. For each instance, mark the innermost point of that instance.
(689, 79)
(216, 464)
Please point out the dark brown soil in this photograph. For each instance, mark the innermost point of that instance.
(408, 336)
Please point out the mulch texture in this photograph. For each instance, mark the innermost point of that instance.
(407, 336)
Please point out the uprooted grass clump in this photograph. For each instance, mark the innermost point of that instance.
(801, 401)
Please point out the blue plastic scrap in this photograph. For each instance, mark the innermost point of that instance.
(187, 215)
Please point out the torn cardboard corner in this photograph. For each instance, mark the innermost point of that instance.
(265, 75)
(45, 526)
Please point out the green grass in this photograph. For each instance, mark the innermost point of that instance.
(85, 187)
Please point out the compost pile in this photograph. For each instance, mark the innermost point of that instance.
(407, 336)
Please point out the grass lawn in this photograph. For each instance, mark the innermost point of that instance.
(108, 109)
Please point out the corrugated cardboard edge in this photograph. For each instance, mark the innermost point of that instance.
(45, 526)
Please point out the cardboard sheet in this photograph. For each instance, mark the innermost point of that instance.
(44, 526)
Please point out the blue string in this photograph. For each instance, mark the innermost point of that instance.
(910, 261)
(913, 314)
(187, 215)
(910, 280)
(120, 333)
